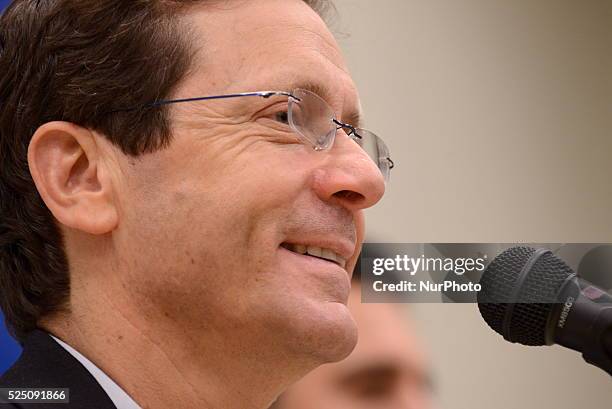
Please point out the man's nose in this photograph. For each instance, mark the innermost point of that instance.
(348, 176)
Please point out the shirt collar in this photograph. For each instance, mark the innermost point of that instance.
(119, 397)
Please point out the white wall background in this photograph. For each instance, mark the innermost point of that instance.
(499, 117)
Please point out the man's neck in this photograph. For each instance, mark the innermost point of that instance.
(161, 366)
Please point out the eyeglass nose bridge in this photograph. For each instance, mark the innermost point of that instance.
(351, 129)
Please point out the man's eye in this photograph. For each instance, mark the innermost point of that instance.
(282, 116)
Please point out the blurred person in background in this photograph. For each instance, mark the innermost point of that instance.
(388, 369)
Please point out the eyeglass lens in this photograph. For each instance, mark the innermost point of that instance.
(313, 118)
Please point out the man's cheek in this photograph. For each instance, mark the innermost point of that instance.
(359, 219)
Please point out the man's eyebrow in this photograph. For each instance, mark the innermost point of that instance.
(314, 87)
(354, 118)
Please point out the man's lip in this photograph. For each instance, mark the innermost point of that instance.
(342, 247)
(314, 262)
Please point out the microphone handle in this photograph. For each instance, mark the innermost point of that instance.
(582, 321)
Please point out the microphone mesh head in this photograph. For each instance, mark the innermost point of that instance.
(517, 305)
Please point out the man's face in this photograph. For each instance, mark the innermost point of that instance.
(387, 369)
(205, 223)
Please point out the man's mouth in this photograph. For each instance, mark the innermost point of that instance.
(317, 252)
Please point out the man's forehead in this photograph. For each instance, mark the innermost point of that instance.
(272, 27)
(290, 48)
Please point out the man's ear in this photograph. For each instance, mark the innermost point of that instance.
(72, 178)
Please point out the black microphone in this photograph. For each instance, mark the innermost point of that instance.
(532, 297)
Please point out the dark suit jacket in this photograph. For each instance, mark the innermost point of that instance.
(46, 364)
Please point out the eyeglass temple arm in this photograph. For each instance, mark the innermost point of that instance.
(264, 94)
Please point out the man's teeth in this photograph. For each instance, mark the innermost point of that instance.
(317, 252)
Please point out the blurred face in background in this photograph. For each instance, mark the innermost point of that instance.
(387, 369)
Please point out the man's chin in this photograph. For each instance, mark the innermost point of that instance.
(326, 334)
(344, 340)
